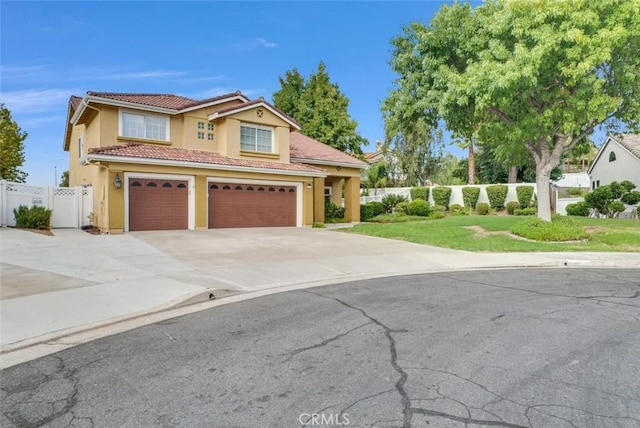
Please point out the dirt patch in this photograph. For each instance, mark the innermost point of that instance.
(481, 232)
(93, 230)
(46, 232)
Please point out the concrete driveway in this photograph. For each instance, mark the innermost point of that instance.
(54, 285)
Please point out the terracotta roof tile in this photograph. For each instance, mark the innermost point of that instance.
(631, 142)
(169, 101)
(213, 99)
(149, 151)
(75, 101)
(306, 148)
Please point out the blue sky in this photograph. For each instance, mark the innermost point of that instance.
(51, 50)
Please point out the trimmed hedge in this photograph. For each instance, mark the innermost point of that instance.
(470, 196)
(482, 208)
(366, 212)
(526, 211)
(441, 196)
(333, 212)
(512, 206)
(418, 207)
(419, 193)
(580, 209)
(401, 207)
(32, 218)
(497, 195)
(525, 193)
(456, 209)
(378, 208)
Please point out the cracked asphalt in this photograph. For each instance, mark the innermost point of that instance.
(507, 348)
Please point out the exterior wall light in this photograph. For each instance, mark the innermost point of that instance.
(309, 185)
(117, 182)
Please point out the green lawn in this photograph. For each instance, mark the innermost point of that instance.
(452, 232)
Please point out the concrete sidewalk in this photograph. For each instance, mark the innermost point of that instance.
(56, 285)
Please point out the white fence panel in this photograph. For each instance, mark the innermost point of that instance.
(70, 206)
(65, 207)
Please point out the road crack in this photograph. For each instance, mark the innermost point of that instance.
(321, 344)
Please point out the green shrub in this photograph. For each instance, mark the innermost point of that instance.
(389, 202)
(526, 211)
(438, 208)
(631, 198)
(418, 207)
(366, 212)
(470, 196)
(482, 208)
(512, 206)
(377, 207)
(579, 209)
(419, 193)
(435, 215)
(497, 194)
(333, 212)
(317, 225)
(559, 229)
(525, 193)
(615, 208)
(32, 218)
(441, 195)
(456, 209)
(401, 207)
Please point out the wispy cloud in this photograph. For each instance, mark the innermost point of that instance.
(35, 100)
(262, 43)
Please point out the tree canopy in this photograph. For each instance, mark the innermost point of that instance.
(320, 108)
(11, 147)
(539, 75)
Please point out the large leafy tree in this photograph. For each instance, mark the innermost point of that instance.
(320, 108)
(11, 147)
(545, 74)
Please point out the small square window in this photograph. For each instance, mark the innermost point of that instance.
(210, 136)
(210, 126)
(200, 125)
(200, 135)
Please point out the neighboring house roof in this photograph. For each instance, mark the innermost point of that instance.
(174, 102)
(253, 104)
(139, 152)
(629, 142)
(373, 157)
(306, 149)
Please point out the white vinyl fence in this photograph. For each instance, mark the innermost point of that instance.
(70, 206)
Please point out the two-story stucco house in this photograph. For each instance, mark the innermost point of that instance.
(617, 160)
(160, 161)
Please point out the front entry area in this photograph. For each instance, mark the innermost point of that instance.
(251, 205)
(157, 204)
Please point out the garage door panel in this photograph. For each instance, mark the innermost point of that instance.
(156, 204)
(251, 205)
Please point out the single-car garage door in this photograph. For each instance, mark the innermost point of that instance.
(156, 204)
(251, 205)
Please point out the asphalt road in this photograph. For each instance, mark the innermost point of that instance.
(510, 348)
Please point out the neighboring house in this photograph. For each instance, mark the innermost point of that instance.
(384, 154)
(618, 159)
(160, 161)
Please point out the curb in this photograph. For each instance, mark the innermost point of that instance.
(36, 347)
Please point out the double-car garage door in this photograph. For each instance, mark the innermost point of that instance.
(158, 204)
(251, 205)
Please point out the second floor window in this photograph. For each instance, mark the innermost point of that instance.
(144, 126)
(256, 139)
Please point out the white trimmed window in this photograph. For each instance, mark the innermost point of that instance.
(138, 125)
(256, 138)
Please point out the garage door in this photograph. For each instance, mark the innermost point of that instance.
(156, 204)
(251, 205)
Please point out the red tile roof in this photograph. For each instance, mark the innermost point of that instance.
(169, 101)
(306, 148)
(150, 151)
(75, 101)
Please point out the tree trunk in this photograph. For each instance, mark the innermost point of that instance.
(472, 164)
(513, 174)
(543, 175)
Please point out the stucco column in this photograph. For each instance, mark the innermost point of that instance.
(336, 192)
(352, 199)
(318, 199)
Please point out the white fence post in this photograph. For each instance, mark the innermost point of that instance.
(3, 203)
